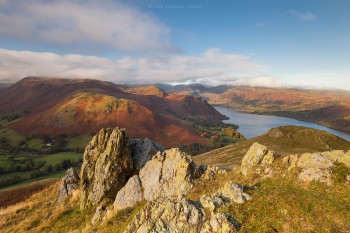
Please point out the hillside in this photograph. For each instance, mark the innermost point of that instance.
(304, 192)
(284, 139)
(330, 108)
(50, 106)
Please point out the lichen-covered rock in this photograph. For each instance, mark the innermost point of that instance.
(208, 172)
(338, 156)
(291, 160)
(257, 154)
(169, 173)
(316, 174)
(99, 215)
(106, 165)
(129, 195)
(142, 150)
(232, 192)
(314, 160)
(69, 183)
(211, 202)
(167, 215)
(223, 223)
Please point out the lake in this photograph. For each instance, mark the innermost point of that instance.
(252, 125)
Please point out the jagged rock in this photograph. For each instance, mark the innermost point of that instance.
(129, 195)
(208, 172)
(142, 150)
(316, 174)
(275, 133)
(167, 215)
(169, 173)
(106, 165)
(257, 154)
(69, 183)
(221, 222)
(232, 192)
(211, 202)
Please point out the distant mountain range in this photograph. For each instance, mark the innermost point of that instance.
(50, 106)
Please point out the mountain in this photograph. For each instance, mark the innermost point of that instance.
(51, 106)
(268, 190)
(330, 108)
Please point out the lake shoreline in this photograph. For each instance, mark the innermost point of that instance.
(277, 115)
(252, 124)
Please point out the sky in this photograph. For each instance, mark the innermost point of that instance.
(273, 43)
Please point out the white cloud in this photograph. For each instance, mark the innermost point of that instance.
(82, 24)
(212, 66)
(307, 16)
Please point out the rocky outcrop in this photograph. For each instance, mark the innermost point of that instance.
(69, 184)
(317, 166)
(169, 173)
(257, 154)
(232, 192)
(211, 202)
(129, 195)
(208, 172)
(168, 215)
(221, 222)
(107, 164)
(142, 150)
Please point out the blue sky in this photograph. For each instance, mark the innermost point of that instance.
(252, 42)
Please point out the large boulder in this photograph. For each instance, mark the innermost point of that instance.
(107, 164)
(257, 154)
(314, 160)
(169, 173)
(168, 215)
(142, 150)
(129, 195)
(69, 184)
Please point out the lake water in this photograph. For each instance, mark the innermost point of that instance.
(252, 125)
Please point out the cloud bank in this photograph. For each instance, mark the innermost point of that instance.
(83, 25)
(212, 67)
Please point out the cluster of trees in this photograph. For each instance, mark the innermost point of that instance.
(41, 171)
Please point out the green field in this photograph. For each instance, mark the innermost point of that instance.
(53, 159)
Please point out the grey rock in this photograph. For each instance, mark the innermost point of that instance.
(142, 150)
(233, 192)
(169, 173)
(69, 183)
(129, 195)
(257, 154)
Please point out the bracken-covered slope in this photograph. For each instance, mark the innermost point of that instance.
(284, 139)
(65, 106)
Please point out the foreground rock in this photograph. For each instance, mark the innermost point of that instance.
(69, 184)
(257, 155)
(168, 215)
(168, 174)
(107, 164)
(142, 150)
(129, 195)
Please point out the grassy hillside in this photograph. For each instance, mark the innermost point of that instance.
(284, 139)
(279, 204)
